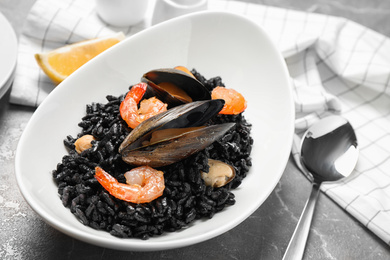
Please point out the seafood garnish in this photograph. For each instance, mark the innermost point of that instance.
(139, 148)
(143, 184)
(83, 143)
(175, 86)
(235, 103)
(149, 107)
(219, 174)
(171, 119)
(184, 69)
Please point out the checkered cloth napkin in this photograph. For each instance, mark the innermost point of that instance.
(336, 66)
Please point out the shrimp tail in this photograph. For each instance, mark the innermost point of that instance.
(129, 107)
(137, 92)
(105, 179)
(115, 188)
(152, 189)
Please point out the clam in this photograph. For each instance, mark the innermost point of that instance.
(175, 87)
(173, 135)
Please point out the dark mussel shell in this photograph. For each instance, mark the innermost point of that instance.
(177, 148)
(188, 115)
(189, 84)
(137, 150)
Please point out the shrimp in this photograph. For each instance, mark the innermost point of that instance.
(235, 103)
(143, 184)
(149, 107)
(184, 69)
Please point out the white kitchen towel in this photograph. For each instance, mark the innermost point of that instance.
(336, 66)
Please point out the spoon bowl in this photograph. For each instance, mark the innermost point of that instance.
(329, 152)
(329, 149)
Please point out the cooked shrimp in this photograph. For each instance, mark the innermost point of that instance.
(149, 107)
(184, 69)
(144, 184)
(235, 103)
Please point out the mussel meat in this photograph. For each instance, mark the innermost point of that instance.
(219, 173)
(173, 135)
(175, 87)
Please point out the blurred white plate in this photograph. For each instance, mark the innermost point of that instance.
(216, 44)
(8, 54)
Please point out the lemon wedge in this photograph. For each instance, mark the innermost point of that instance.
(60, 63)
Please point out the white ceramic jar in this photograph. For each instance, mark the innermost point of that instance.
(122, 12)
(167, 9)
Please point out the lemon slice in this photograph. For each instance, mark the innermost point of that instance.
(60, 63)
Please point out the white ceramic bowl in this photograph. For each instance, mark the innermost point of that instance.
(215, 43)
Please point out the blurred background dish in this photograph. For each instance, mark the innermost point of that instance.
(8, 54)
(122, 12)
(168, 9)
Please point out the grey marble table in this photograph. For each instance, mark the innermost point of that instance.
(264, 235)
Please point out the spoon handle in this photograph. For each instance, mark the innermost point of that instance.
(297, 243)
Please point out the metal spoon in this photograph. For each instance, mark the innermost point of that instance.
(329, 152)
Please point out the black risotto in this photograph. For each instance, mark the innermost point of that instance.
(186, 197)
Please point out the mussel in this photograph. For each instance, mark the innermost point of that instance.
(173, 135)
(219, 173)
(175, 87)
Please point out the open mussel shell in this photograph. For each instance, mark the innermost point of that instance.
(188, 115)
(185, 82)
(177, 148)
(138, 149)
